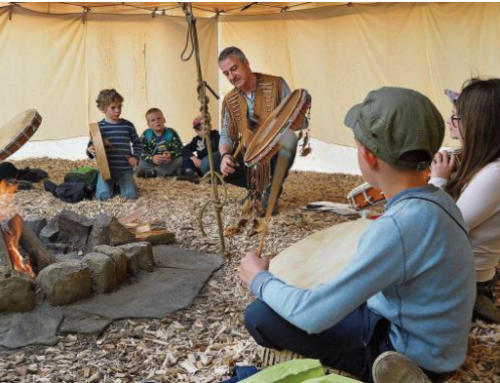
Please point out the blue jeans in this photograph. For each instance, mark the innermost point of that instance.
(126, 183)
(352, 345)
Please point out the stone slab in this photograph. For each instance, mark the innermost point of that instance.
(170, 287)
(26, 329)
(81, 323)
(177, 258)
(157, 294)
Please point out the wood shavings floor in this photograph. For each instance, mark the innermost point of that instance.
(204, 342)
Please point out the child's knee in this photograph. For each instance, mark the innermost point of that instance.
(255, 315)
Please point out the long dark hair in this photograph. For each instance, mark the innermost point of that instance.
(479, 109)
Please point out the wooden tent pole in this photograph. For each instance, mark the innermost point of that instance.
(202, 97)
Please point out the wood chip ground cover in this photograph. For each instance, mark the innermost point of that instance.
(204, 342)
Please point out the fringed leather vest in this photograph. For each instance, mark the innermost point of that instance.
(267, 97)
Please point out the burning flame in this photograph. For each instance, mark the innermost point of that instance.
(15, 227)
(12, 241)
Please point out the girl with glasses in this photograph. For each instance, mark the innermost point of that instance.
(475, 122)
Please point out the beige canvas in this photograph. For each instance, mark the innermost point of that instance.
(341, 53)
(57, 63)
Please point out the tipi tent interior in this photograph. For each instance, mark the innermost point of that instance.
(55, 57)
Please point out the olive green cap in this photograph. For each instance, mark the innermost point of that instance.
(393, 121)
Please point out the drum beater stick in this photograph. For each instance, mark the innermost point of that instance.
(277, 181)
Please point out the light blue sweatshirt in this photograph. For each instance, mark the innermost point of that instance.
(413, 266)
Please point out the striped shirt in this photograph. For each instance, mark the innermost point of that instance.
(121, 142)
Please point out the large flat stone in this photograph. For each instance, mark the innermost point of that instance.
(171, 287)
(81, 323)
(177, 258)
(35, 327)
(157, 294)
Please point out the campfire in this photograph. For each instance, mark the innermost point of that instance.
(11, 234)
(20, 249)
(70, 258)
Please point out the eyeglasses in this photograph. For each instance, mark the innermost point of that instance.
(454, 119)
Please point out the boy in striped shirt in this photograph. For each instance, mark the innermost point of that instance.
(123, 148)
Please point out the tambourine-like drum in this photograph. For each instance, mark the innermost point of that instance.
(18, 131)
(289, 115)
(100, 151)
(319, 257)
(365, 196)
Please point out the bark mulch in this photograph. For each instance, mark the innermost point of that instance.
(204, 342)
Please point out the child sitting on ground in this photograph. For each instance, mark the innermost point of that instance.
(475, 122)
(162, 148)
(196, 151)
(118, 135)
(410, 287)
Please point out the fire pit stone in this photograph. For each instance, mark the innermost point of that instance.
(103, 271)
(119, 258)
(143, 252)
(66, 282)
(16, 292)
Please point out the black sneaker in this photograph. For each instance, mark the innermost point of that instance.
(151, 174)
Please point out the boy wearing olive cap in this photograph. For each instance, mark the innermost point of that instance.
(410, 287)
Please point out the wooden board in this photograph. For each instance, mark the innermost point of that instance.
(100, 151)
(132, 217)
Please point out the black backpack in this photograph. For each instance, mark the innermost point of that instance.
(8, 171)
(73, 192)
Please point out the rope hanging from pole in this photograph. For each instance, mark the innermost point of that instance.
(192, 44)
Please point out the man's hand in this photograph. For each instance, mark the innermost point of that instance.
(91, 150)
(252, 265)
(443, 164)
(196, 161)
(228, 165)
(132, 161)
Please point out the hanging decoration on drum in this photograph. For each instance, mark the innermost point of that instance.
(291, 115)
(18, 131)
